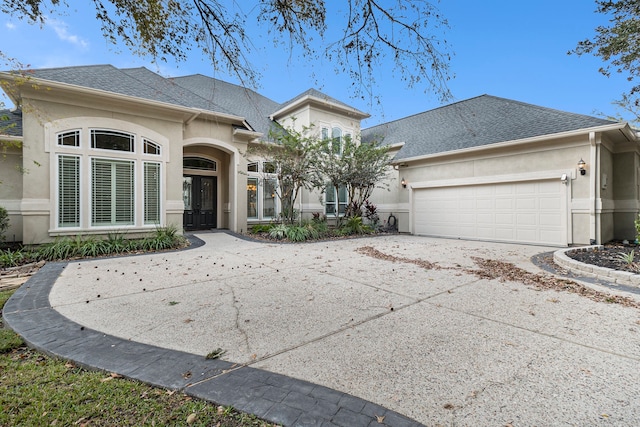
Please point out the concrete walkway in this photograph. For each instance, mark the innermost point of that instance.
(327, 334)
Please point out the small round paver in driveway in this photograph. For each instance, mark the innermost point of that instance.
(401, 321)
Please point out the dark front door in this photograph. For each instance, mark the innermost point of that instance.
(200, 195)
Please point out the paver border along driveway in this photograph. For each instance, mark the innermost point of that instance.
(406, 323)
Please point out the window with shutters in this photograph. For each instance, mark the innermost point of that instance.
(112, 192)
(68, 191)
(151, 193)
(107, 178)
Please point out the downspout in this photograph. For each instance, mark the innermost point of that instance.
(595, 234)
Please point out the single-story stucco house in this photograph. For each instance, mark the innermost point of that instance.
(104, 150)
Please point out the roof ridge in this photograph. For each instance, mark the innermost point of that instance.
(222, 81)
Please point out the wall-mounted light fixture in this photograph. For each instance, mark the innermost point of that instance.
(582, 167)
(404, 183)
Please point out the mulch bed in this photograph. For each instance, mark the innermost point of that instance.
(609, 256)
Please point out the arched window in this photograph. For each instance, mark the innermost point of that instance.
(199, 163)
(122, 183)
(336, 140)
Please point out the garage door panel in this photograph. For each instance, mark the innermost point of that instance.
(486, 233)
(484, 218)
(530, 212)
(524, 188)
(504, 219)
(484, 203)
(527, 203)
(504, 204)
(550, 203)
(547, 187)
(467, 204)
(550, 220)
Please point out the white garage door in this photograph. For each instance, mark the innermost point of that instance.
(524, 212)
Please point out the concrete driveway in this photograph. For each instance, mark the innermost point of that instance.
(440, 345)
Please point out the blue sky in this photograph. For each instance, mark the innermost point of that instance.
(516, 50)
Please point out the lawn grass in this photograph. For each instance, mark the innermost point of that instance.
(39, 390)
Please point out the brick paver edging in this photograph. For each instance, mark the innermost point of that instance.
(276, 398)
(602, 273)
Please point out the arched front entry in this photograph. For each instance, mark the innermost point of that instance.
(210, 185)
(200, 193)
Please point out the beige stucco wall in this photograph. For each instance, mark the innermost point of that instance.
(11, 191)
(625, 194)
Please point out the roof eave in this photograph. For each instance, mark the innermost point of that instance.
(309, 99)
(128, 98)
(621, 126)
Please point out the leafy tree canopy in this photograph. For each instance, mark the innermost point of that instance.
(618, 43)
(370, 32)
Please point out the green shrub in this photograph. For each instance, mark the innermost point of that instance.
(4, 222)
(637, 224)
(260, 228)
(278, 231)
(354, 225)
(117, 243)
(322, 228)
(9, 258)
(297, 233)
(80, 246)
(60, 248)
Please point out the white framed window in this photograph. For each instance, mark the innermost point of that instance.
(112, 140)
(336, 140)
(69, 139)
(106, 178)
(335, 202)
(152, 195)
(112, 192)
(252, 198)
(68, 191)
(150, 147)
(199, 163)
(262, 191)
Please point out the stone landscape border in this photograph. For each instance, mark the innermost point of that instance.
(561, 258)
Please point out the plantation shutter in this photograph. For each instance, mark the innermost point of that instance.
(151, 193)
(68, 191)
(112, 185)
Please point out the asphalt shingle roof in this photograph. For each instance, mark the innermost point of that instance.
(475, 122)
(196, 91)
(243, 102)
(317, 94)
(11, 122)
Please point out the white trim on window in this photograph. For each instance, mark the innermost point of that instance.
(262, 198)
(136, 196)
(68, 185)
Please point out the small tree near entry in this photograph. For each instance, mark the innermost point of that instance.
(359, 167)
(293, 154)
